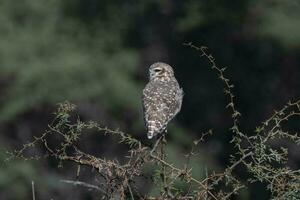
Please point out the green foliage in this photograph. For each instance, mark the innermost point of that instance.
(281, 20)
(15, 177)
(50, 58)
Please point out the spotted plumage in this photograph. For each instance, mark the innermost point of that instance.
(162, 98)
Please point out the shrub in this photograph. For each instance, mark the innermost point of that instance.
(255, 153)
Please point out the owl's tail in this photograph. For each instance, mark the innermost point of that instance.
(152, 129)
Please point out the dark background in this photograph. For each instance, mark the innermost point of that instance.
(96, 54)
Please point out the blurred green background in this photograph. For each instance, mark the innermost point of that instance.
(96, 55)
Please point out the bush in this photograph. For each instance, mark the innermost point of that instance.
(119, 179)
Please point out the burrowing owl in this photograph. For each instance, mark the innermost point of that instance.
(162, 98)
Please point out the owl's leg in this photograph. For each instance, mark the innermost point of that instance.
(164, 141)
(162, 133)
(159, 138)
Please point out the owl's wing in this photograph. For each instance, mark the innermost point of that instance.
(160, 105)
(153, 108)
(172, 100)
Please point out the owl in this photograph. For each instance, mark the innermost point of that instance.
(161, 99)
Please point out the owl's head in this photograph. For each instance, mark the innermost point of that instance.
(160, 71)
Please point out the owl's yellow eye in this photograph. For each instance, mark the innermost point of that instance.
(157, 69)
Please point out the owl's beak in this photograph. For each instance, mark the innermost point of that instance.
(152, 73)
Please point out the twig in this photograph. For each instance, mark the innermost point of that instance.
(33, 191)
(227, 90)
(130, 191)
(80, 183)
(78, 171)
(180, 171)
(163, 167)
(240, 160)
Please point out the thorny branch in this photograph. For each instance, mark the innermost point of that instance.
(256, 154)
(83, 184)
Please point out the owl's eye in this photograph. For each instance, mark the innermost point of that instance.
(157, 70)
